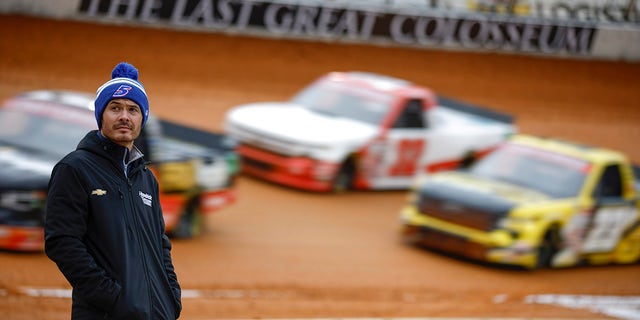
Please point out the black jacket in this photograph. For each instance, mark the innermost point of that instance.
(105, 232)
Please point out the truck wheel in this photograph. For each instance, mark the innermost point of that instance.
(190, 223)
(628, 249)
(469, 158)
(344, 178)
(549, 246)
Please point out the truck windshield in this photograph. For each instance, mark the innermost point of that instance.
(340, 100)
(37, 132)
(555, 175)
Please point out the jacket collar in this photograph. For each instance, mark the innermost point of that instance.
(95, 142)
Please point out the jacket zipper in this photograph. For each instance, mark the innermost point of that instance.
(142, 249)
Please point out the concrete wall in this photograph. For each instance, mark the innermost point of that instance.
(591, 29)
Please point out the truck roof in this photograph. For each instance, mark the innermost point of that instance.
(69, 106)
(77, 99)
(570, 148)
(383, 83)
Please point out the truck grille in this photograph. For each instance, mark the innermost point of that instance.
(458, 214)
(256, 164)
(32, 218)
(448, 243)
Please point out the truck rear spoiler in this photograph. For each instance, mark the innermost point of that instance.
(217, 141)
(475, 110)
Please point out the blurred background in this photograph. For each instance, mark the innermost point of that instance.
(566, 69)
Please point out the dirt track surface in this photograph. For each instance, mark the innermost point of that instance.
(281, 253)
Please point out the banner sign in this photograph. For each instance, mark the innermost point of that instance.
(433, 29)
(600, 11)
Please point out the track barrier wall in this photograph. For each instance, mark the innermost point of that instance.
(584, 29)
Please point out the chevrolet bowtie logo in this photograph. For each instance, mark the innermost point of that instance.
(99, 192)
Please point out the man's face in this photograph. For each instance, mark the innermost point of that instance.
(122, 121)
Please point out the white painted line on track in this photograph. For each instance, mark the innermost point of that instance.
(46, 292)
(621, 307)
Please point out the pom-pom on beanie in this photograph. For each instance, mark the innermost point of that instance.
(123, 84)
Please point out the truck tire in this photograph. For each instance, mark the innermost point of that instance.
(343, 180)
(547, 249)
(628, 249)
(190, 223)
(469, 159)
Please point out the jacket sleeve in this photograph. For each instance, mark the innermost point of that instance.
(65, 226)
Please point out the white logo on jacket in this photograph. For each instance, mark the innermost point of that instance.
(99, 192)
(146, 198)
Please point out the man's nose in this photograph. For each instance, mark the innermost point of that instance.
(126, 115)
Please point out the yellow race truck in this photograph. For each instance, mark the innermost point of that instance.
(534, 203)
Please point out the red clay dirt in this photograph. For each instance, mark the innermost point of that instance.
(282, 253)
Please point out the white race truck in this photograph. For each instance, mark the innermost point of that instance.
(357, 130)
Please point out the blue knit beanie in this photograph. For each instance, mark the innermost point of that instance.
(123, 84)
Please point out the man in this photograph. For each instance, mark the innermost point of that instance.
(104, 227)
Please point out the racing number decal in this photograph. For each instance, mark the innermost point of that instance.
(407, 156)
(607, 228)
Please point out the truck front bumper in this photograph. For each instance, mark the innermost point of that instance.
(298, 172)
(496, 246)
(18, 238)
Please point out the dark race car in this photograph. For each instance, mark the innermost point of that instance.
(195, 168)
